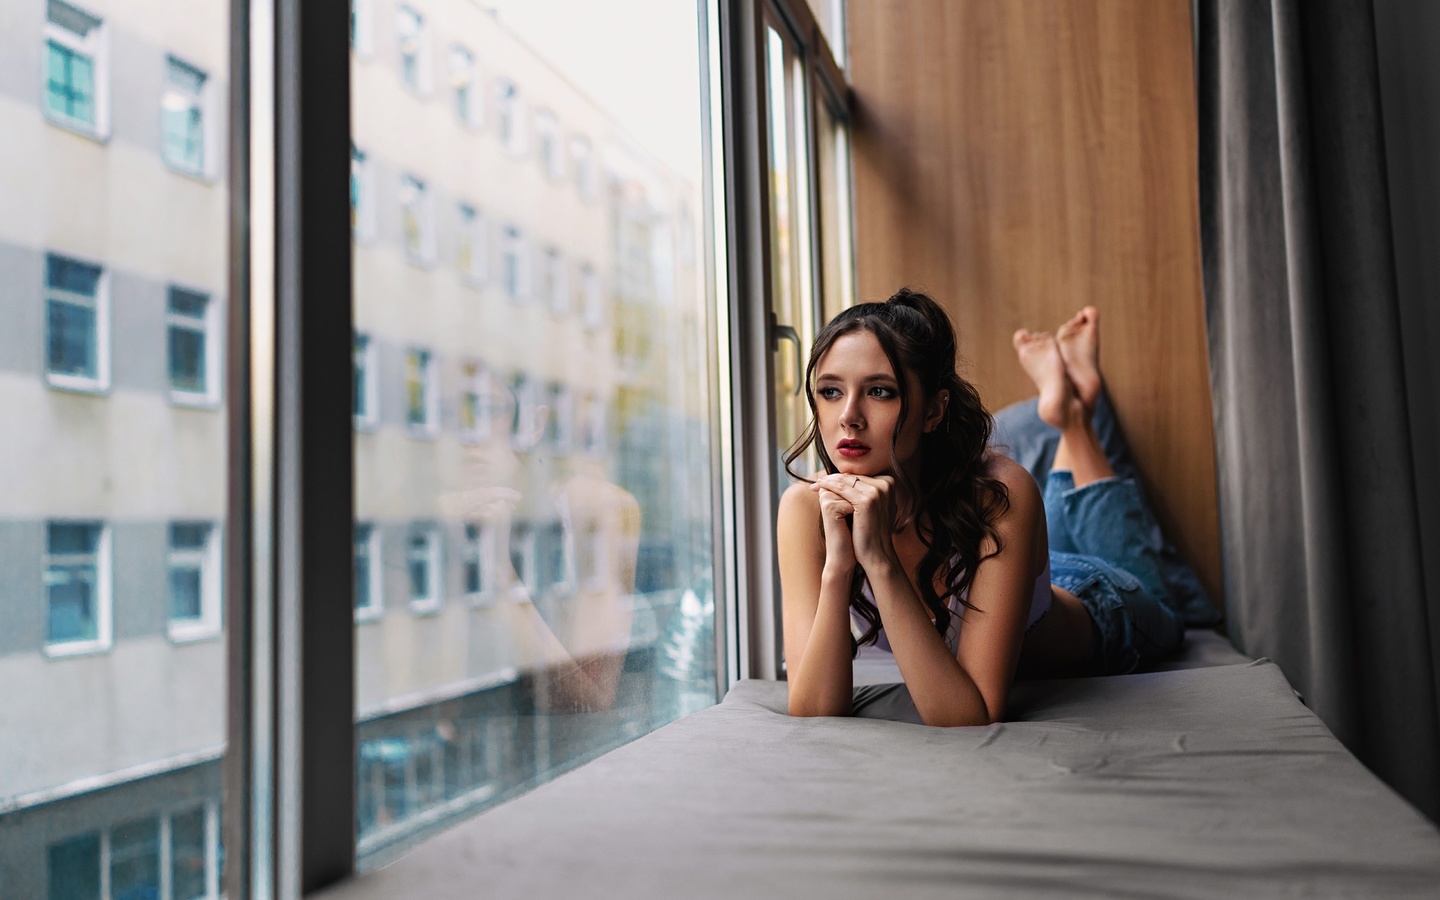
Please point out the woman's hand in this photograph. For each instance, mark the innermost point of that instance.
(868, 499)
(839, 544)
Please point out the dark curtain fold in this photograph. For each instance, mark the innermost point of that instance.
(1323, 557)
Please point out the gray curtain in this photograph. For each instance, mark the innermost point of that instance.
(1324, 559)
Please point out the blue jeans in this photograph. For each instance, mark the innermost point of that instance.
(1105, 549)
(1021, 435)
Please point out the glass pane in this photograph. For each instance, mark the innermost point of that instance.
(569, 392)
(832, 159)
(114, 722)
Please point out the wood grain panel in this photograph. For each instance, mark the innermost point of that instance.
(1020, 159)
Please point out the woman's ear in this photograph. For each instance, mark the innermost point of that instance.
(935, 410)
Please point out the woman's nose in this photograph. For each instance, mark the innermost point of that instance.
(850, 415)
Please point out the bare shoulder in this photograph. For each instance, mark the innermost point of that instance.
(797, 526)
(1018, 482)
(799, 500)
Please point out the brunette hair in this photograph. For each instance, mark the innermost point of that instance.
(955, 504)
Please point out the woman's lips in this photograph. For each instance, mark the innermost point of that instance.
(851, 449)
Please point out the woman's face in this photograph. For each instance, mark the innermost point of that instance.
(857, 403)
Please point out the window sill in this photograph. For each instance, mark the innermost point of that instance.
(368, 614)
(425, 607)
(482, 600)
(365, 425)
(200, 176)
(423, 432)
(195, 401)
(70, 649)
(77, 384)
(191, 632)
(75, 126)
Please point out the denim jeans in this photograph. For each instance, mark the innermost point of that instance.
(1021, 435)
(1105, 549)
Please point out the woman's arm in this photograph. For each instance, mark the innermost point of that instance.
(817, 562)
(972, 686)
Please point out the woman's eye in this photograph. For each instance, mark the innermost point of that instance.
(829, 393)
(882, 392)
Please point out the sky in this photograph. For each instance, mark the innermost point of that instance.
(639, 59)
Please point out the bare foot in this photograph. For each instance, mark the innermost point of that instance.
(1079, 341)
(1039, 354)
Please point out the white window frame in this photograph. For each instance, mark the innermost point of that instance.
(362, 213)
(210, 335)
(510, 116)
(201, 100)
(207, 560)
(548, 147)
(429, 381)
(482, 550)
(471, 227)
(522, 542)
(362, 38)
(375, 604)
(478, 382)
(424, 83)
(560, 398)
(582, 157)
(366, 359)
(515, 264)
(591, 422)
(94, 43)
(433, 562)
(101, 304)
(421, 205)
(104, 598)
(165, 850)
(463, 77)
(592, 292)
(522, 427)
(554, 286)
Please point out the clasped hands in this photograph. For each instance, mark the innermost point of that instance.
(867, 502)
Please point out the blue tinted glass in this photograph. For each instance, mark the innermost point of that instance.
(71, 275)
(70, 83)
(70, 342)
(187, 360)
(185, 593)
(187, 855)
(65, 537)
(187, 303)
(74, 868)
(187, 536)
(70, 591)
(187, 78)
(135, 860)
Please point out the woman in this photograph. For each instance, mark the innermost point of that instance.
(916, 528)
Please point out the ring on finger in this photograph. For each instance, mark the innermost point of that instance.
(857, 481)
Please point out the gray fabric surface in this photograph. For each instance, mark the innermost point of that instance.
(1320, 527)
(1202, 782)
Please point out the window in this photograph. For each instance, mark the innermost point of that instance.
(130, 857)
(367, 572)
(182, 109)
(480, 403)
(592, 301)
(420, 411)
(559, 423)
(513, 259)
(362, 39)
(414, 49)
(583, 159)
(362, 203)
(524, 557)
(194, 373)
(417, 219)
(547, 137)
(194, 565)
(552, 282)
(522, 413)
(592, 425)
(75, 69)
(462, 83)
(76, 324)
(482, 548)
(77, 587)
(509, 119)
(553, 561)
(422, 559)
(365, 397)
(470, 244)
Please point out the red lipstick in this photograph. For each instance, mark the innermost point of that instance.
(851, 448)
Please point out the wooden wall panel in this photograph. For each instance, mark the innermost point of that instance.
(1020, 159)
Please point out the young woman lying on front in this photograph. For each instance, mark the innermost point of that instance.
(916, 528)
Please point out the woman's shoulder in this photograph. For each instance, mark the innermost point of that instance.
(1020, 486)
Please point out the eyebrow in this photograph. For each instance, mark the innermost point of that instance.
(869, 379)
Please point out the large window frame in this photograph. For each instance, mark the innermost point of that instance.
(77, 34)
(290, 780)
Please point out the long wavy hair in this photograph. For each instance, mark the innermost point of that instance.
(952, 501)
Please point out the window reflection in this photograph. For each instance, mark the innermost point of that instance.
(552, 535)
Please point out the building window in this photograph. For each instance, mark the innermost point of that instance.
(194, 564)
(480, 403)
(183, 111)
(523, 429)
(76, 319)
(362, 39)
(592, 304)
(470, 245)
(514, 271)
(524, 557)
(552, 282)
(583, 159)
(421, 413)
(367, 571)
(366, 398)
(592, 425)
(547, 139)
(362, 204)
(553, 560)
(414, 49)
(193, 346)
(509, 118)
(131, 858)
(462, 83)
(559, 422)
(482, 550)
(422, 558)
(417, 219)
(77, 587)
(74, 75)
